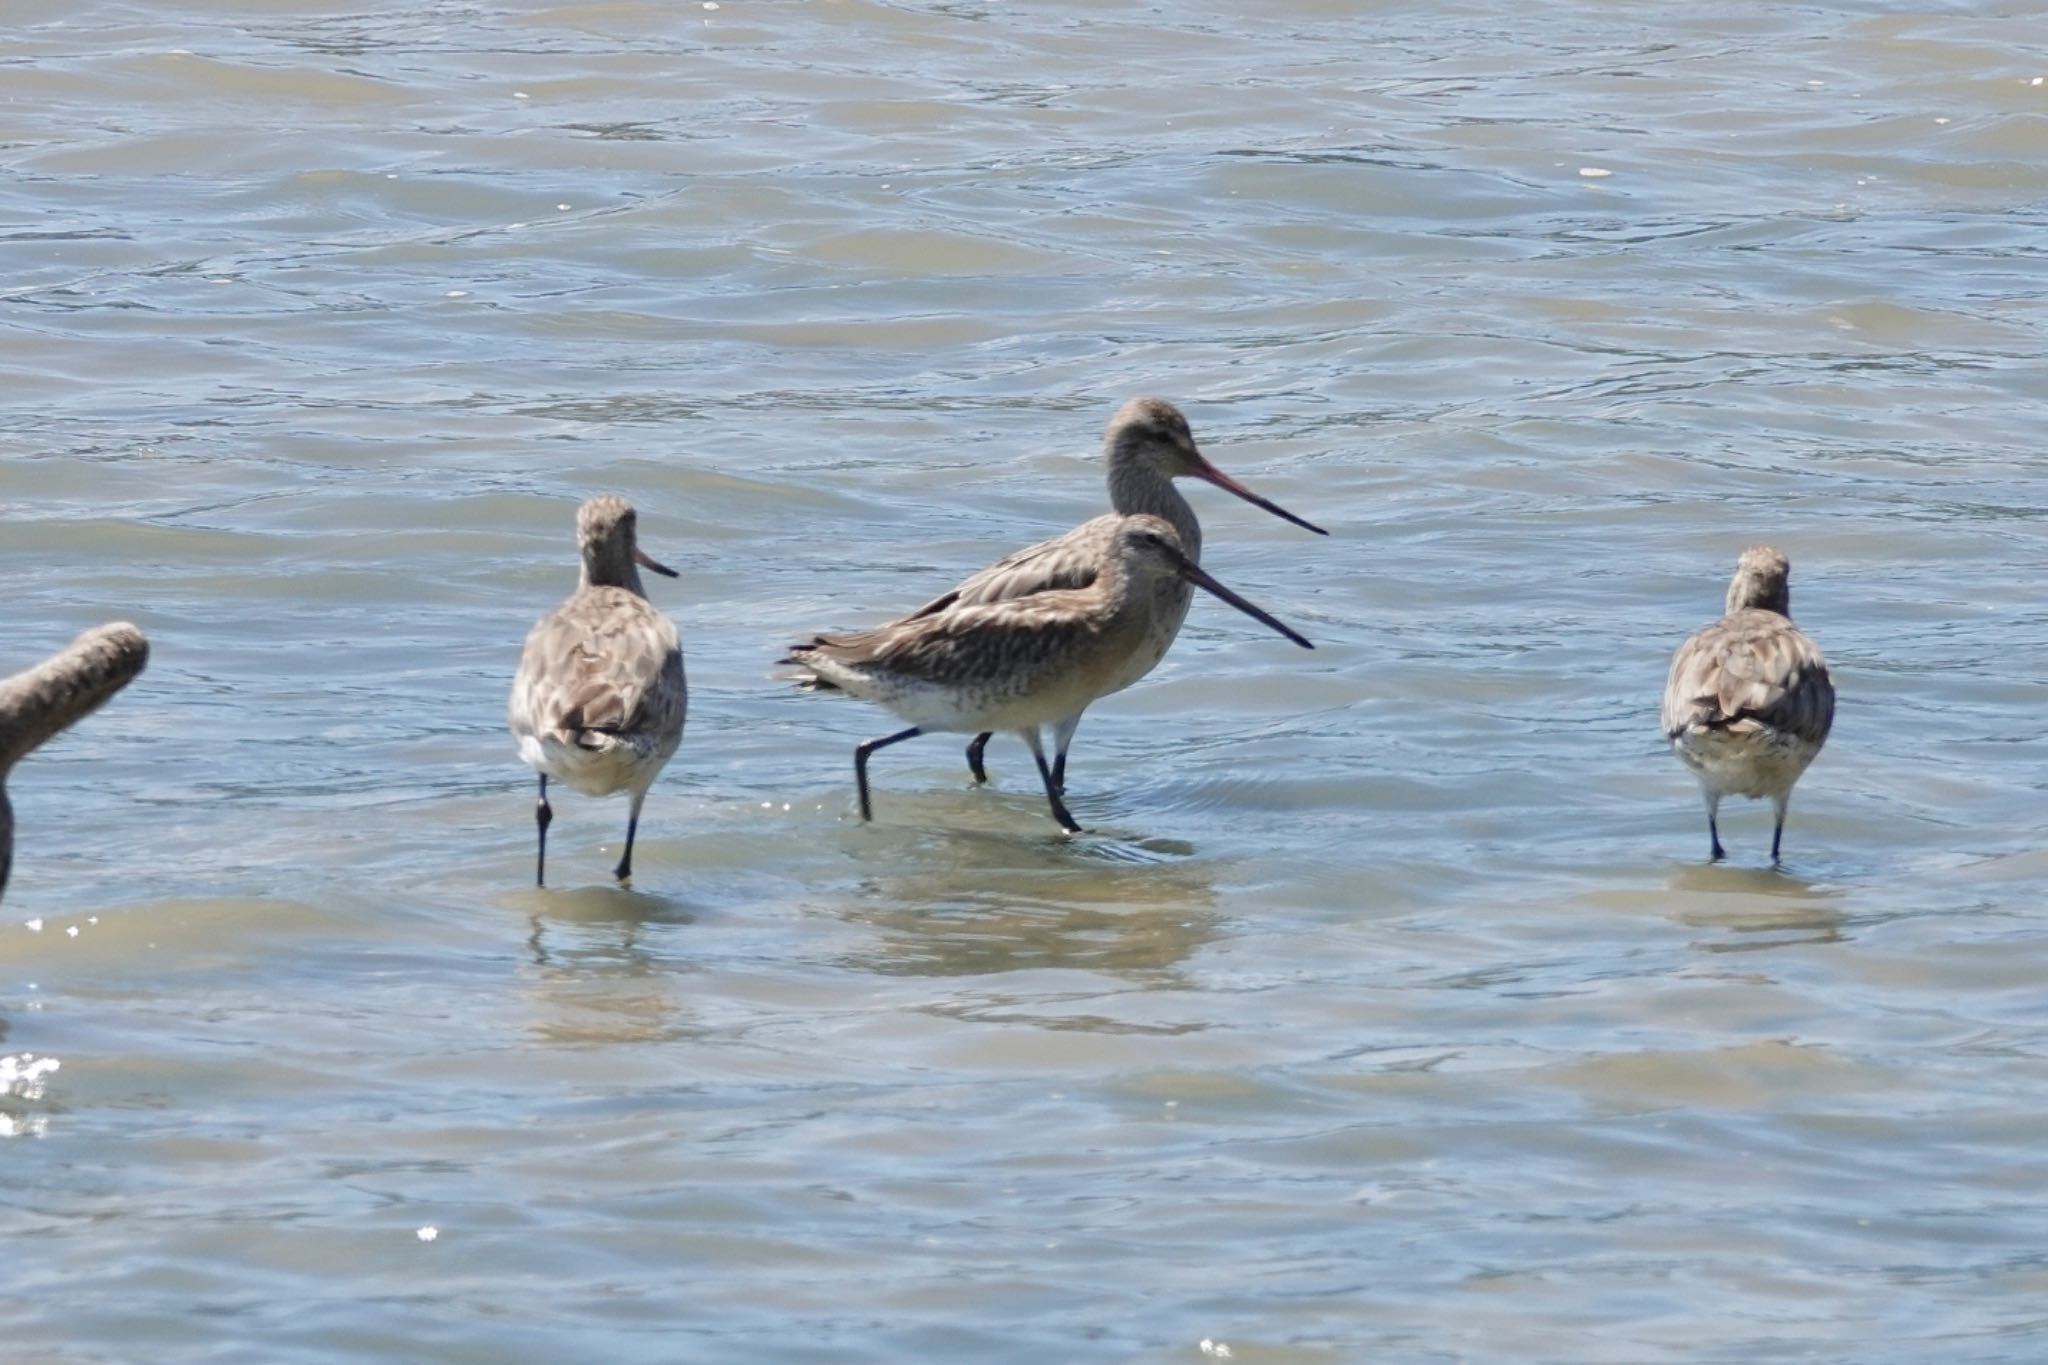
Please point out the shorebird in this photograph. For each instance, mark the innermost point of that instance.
(600, 696)
(1749, 701)
(47, 699)
(1146, 446)
(1017, 663)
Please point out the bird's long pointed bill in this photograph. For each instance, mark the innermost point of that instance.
(1229, 485)
(647, 561)
(1200, 578)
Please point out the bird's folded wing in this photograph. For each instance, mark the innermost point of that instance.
(1068, 561)
(965, 643)
(1737, 671)
(603, 675)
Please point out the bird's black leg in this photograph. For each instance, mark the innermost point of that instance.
(543, 815)
(860, 764)
(1062, 736)
(1714, 830)
(1778, 829)
(1052, 791)
(624, 871)
(974, 752)
(6, 834)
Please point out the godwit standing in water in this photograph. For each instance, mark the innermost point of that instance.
(37, 704)
(600, 696)
(1146, 446)
(1749, 701)
(1018, 663)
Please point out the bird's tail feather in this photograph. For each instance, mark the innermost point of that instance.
(799, 671)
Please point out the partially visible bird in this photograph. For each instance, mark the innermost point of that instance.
(37, 704)
(1016, 663)
(1749, 701)
(600, 697)
(1146, 446)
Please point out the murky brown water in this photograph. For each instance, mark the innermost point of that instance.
(1389, 1014)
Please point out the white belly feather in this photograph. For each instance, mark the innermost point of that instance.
(1744, 760)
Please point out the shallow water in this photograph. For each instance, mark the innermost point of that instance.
(1388, 1014)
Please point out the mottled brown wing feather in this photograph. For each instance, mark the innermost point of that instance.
(607, 667)
(1024, 633)
(1064, 562)
(1750, 667)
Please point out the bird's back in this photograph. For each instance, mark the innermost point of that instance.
(39, 702)
(1069, 563)
(600, 697)
(1073, 560)
(1748, 702)
(1050, 651)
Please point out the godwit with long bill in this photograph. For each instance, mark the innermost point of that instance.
(1146, 446)
(1749, 701)
(600, 697)
(1018, 663)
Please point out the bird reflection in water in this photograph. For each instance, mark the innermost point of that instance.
(1004, 905)
(601, 972)
(1767, 907)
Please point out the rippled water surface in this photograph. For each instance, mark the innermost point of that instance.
(1389, 1012)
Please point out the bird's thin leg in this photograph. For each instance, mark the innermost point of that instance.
(1062, 736)
(624, 871)
(1714, 827)
(975, 748)
(543, 815)
(1780, 801)
(1052, 792)
(6, 835)
(860, 764)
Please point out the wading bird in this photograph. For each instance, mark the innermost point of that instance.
(1146, 446)
(600, 696)
(1749, 701)
(38, 704)
(1018, 663)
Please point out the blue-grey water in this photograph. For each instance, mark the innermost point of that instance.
(1389, 1012)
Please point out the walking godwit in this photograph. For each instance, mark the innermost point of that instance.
(600, 696)
(38, 704)
(1749, 701)
(1017, 663)
(1146, 446)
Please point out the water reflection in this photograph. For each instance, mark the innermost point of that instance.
(594, 978)
(1004, 905)
(1769, 907)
